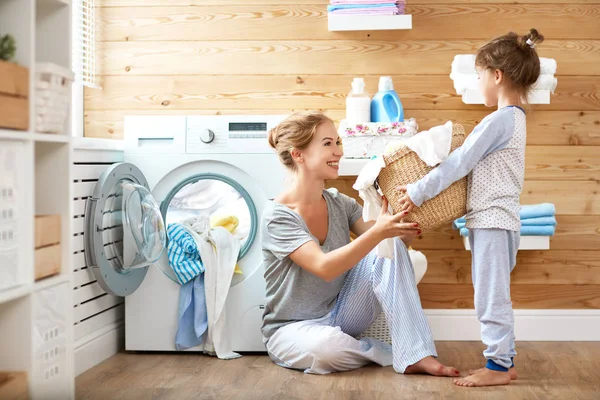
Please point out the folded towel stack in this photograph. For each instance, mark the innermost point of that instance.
(465, 77)
(536, 220)
(366, 7)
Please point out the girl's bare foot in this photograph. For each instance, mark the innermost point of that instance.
(512, 372)
(484, 377)
(431, 366)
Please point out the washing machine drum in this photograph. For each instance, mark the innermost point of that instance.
(126, 230)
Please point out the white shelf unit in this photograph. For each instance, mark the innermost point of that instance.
(36, 316)
(536, 97)
(526, 243)
(349, 22)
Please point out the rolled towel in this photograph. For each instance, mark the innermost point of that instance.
(463, 63)
(545, 82)
(525, 231)
(526, 211)
(538, 221)
(334, 7)
(547, 66)
(537, 210)
(464, 81)
(402, 2)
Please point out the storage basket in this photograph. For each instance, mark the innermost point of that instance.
(403, 166)
(369, 139)
(53, 97)
(379, 330)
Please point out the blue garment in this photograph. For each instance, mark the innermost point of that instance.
(547, 230)
(193, 318)
(334, 7)
(183, 254)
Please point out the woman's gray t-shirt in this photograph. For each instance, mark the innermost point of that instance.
(294, 294)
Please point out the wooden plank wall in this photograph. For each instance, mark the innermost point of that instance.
(275, 56)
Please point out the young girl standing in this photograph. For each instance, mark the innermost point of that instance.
(493, 157)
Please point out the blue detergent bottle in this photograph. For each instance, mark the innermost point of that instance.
(386, 105)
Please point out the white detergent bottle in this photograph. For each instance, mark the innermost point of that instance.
(358, 103)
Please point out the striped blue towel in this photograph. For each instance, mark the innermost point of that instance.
(183, 254)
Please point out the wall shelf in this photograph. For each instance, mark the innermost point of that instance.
(527, 243)
(340, 23)
(536, 97)
(352, 166)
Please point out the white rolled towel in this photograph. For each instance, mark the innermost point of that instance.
(466, 63)
(545, 82)
(464, 82)
(463, 63)
(547, 66)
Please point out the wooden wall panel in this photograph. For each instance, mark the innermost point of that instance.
(533, 267)
(309, 22)
(191, 57)
(423, 57)
(523, 296)
(419, 92)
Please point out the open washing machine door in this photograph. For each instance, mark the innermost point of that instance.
(125, 231)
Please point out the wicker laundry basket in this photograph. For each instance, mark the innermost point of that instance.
(379, 330)
(404, 166)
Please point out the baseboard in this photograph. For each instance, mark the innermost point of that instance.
(530, 325)
(91, 350)
(455, 325)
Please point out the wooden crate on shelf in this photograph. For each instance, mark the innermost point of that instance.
(14, 96)
(13, 386)
(47, 246)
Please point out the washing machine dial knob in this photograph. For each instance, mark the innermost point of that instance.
(207, 136)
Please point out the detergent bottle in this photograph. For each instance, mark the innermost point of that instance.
(386, 105)
(358, 103)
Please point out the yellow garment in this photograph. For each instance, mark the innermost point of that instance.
(230, 223)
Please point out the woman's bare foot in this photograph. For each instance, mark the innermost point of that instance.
(431, 366)
(484, 377)
(512, 372)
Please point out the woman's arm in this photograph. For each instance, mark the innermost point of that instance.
(360, 226)
(329, 266)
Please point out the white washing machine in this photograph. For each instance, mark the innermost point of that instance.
(176, 167)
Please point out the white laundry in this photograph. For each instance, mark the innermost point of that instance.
(419, 262)
(432, 146)
(219, 251)
(468, 81)
(547, 66)
(465, 63)
(372, 200)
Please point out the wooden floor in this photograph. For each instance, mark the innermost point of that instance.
(548, 370)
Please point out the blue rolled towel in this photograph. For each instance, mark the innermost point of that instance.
(537, 210)
(539, 221)
(529, 212)
(547, 230)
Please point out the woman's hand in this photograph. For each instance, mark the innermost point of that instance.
(389, 226)
(405, 201)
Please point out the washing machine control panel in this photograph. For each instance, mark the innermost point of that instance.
(230, 134)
